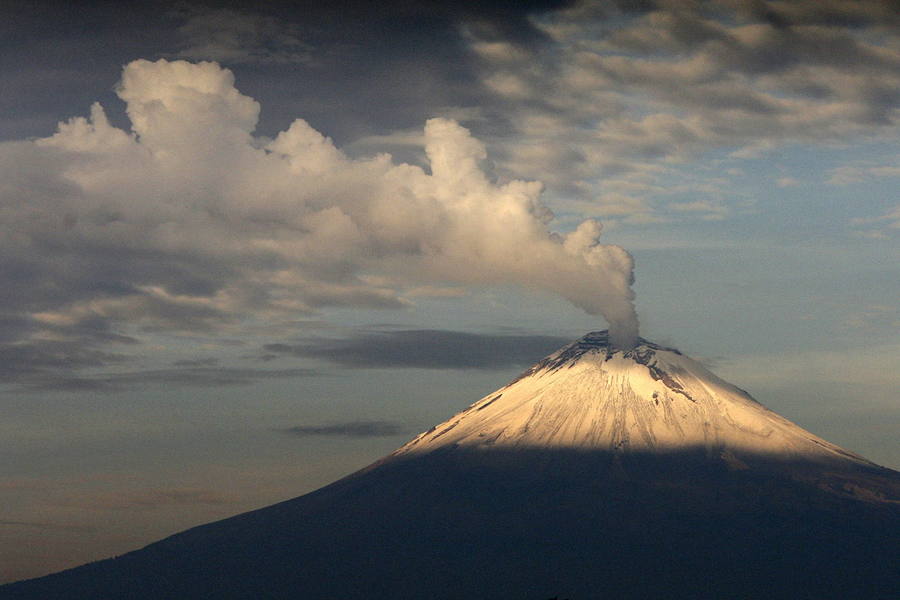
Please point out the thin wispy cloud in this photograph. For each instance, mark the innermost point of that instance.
(787, 182)
(235, 37)
(189, 222)
(882, 227)
(56, 381)
(242, 216)
(425, 349)
(626, 85)
(350, 429)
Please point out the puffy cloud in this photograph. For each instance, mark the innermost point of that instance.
(881, 226)
(189, 223)
(627, 85)
(877, 226)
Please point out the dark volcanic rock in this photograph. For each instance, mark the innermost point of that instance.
(458, 513)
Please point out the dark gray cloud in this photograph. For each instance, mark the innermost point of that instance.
(27, 361)
(352, 429)
(335, 63)
(190, 225)
(425, 349)
(145, 499)
(34, 353)
(593, 98)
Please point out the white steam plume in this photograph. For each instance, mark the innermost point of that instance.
(206, 222)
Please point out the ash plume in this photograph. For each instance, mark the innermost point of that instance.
(190, 222)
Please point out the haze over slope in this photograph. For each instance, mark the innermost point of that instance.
(584, 477)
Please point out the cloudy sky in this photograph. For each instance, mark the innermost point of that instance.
(244, 252)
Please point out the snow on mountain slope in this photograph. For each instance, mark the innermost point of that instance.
(591, 396)
(597, 474)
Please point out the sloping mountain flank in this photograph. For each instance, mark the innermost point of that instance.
(598, 473)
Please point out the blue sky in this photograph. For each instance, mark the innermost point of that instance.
(245, 253)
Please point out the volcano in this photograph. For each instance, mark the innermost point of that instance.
(598, 473)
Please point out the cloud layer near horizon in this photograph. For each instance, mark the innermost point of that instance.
(425, 349)
(190, 223)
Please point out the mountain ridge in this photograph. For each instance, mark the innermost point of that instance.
(572, 480)
(651, 397)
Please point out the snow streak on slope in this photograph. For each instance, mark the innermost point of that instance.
(591, 396)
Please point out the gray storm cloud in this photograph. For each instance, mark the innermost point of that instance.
(189, 222)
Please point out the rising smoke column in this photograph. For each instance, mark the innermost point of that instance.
(191, 222)
(499, 233)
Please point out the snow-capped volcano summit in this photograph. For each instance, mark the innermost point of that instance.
(598, 473)
(591, 396)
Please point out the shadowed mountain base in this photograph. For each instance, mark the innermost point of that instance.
(599, 473)
(510, 524)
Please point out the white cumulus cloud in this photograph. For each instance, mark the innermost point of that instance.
(190, 222)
